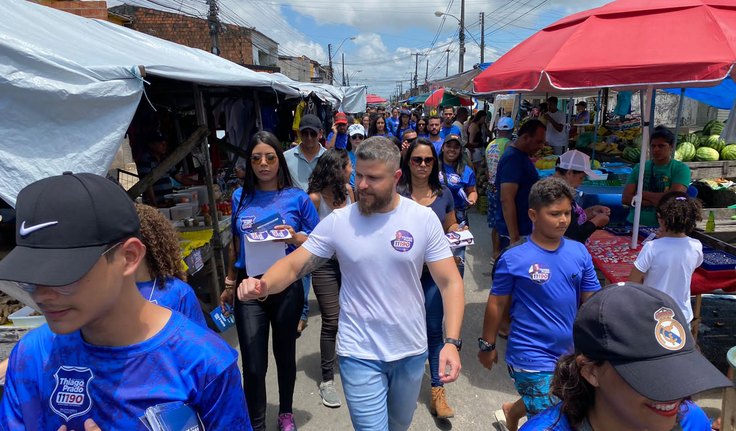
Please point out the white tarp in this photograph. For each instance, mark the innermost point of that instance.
(69, 87)
(345, 99)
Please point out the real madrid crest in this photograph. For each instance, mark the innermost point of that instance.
(669, 332)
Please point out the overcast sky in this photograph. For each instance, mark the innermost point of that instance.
(386, 33)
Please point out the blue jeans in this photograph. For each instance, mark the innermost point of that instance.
(382, 395)
(460, 252)
(307, 283)
(435, 315)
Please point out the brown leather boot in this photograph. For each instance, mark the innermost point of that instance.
(438, 407)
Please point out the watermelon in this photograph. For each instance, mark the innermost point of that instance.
(728, 152)
(715, 142)
(631, 154)
(678, 155)
(694, 139)
(713, 127)
(687, 151)
(706, 154)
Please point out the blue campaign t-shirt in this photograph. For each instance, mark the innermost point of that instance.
(690, 418)
(56, 380)
(449, 130)
(292, 204)
(515, 167)
(456, 182)
(341, 142)
(545, 288)
(174, 294)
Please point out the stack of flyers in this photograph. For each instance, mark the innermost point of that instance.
(460, 239)
(223, 322)
(173, 416)
(267, 235)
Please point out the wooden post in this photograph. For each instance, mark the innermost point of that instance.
(175, 157)
(728, 408)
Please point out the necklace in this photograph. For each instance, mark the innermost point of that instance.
(153, 289)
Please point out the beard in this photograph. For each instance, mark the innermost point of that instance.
(369, 203)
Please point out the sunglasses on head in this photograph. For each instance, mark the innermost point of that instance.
(357, 136)
(309, 132)
(270, 158)
(416, 160)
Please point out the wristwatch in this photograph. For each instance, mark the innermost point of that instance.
(455, 342)
(485, 346)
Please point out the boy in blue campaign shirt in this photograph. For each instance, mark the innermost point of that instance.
(544, 279)
(107, 353)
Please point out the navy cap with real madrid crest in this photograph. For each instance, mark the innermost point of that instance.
(644, 335)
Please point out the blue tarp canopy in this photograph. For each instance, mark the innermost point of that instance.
(721, 96)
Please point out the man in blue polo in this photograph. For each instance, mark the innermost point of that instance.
(338, 137)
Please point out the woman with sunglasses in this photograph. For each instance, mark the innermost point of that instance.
(421, 129)
(420, 182)
(267, 194)
(460, 179)
(356, 136)
(329, 190)
(378, 128)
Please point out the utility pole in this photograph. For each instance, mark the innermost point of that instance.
(462, 37)
(343, 69)
(416, 70)
(214, 25)
(482, 35)
(329, 55)
(447, 64)
(426, 73)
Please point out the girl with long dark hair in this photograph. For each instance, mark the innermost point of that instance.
(267, 194)
(378, 127)
(329, 190)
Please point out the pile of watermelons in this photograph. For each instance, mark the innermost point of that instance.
(705, 145)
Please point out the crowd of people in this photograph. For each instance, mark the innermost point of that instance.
(126, 333)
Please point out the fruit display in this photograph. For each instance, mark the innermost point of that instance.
(715, 142)
(706, 154)
(547, 162)
(685, 152)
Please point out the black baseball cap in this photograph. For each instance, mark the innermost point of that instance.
(644, 335)
(64, 225)
(453, 137)
(310, 121)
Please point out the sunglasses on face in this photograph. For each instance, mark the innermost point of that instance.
(270, 158)
(309, 133)
(421, 124)
(411, 141)
(62, 290)
(358, 137)
(417, 161)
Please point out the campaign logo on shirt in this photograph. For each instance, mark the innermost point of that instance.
(70, 398)
(453, 179)
(539, 273)
(669, 332)
(403, 241)
(246, 223)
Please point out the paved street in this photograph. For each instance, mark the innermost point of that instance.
(475, 396)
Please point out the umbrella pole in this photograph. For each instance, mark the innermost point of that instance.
(679, 115)
(595, 128)
(646, 111)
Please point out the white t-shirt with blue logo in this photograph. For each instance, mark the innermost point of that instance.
(56, 380)
(545, 288)
(382, 313)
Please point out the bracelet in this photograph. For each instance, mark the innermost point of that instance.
(263, 299)
(229, 282)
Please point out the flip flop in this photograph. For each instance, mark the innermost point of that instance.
(501, 420)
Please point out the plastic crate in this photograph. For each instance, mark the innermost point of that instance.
(717, 260)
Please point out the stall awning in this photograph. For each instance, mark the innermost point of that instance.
(70, 86)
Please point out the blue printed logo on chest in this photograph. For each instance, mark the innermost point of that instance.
(539, 273)
(70, 398)
(403, 241)
(246, 223)
(453, 179)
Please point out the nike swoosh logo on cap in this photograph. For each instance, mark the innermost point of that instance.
(25, 231)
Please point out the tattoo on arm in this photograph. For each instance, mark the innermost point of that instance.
(314, 262)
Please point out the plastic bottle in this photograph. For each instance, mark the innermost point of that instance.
(710, 225)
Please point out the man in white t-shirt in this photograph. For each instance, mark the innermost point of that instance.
(381, 243)
(556, 130)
